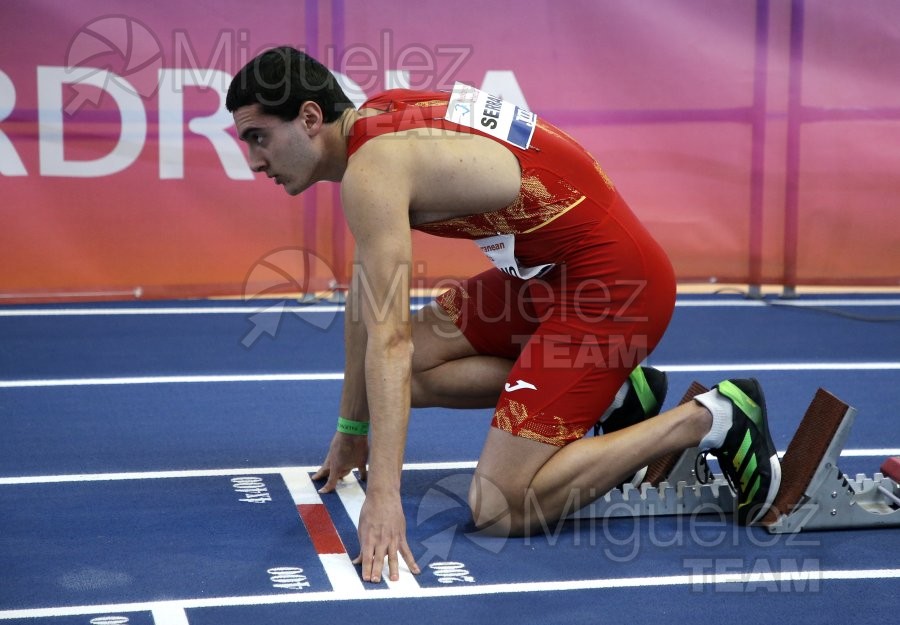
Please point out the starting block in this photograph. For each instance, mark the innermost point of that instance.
(814, 494)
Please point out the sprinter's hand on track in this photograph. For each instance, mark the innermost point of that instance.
(347, 452)
(382, 534)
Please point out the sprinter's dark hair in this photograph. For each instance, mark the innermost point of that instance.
(281, 80)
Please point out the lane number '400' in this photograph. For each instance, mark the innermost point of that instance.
(451, 572)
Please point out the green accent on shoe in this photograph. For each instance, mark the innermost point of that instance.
(749, 472)
(749, 498)
(642, 388)
(742, 401)
(744, 448)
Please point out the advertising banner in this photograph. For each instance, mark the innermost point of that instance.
(756, 139)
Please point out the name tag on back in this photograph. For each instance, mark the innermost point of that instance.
(482, 111)
(501, 251)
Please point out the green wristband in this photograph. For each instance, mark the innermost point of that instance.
(357, 428)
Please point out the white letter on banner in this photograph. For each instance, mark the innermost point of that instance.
(396, 79)
(132, 134)
(214, 127)
(351, 89)
(10, 163)
(503, 84)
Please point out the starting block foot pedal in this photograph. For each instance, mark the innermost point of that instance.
(814, 493)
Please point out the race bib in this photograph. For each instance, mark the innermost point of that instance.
(501, 251)
(476, 109)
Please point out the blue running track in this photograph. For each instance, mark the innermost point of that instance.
(155, 462)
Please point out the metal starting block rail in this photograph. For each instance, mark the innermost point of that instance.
(664, 499)
(814, 495)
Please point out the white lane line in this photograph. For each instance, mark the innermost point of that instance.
(173, 379)
(752, 580)
(321, 376)
(144, 475)
(783, 366)
(342, 575)
(439, 466)
(267, 307)
(170, 615)
(300, 486)
(862, 453)
(200, 310)
(352, 497)
(801, 303)
(338, 567)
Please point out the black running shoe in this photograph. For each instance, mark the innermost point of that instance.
(748, 457)
(645, 397)
(647, 392)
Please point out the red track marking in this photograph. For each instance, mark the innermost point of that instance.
(321, 528)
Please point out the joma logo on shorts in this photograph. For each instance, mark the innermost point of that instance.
(520, 384)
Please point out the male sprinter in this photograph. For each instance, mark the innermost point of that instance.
(550, 338)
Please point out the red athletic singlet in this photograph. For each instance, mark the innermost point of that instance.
(582, 293)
